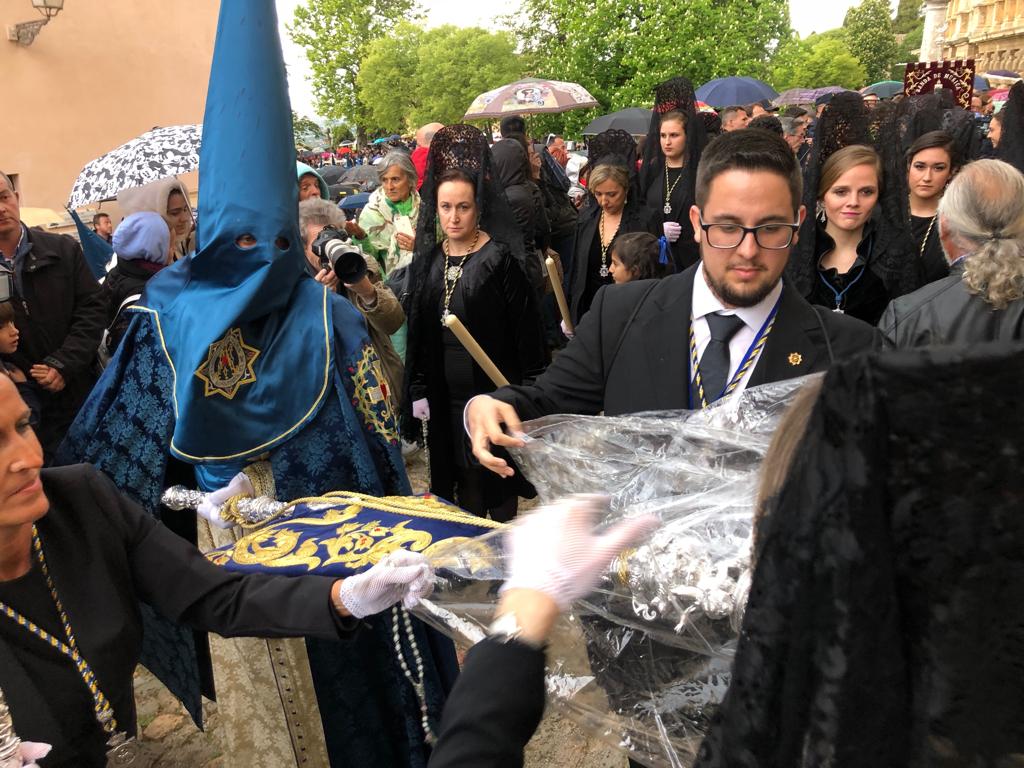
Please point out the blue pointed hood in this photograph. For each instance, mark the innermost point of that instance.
(97, 251)
(245, 329)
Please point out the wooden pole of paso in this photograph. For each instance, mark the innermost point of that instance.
(475, 350)
(556, 285)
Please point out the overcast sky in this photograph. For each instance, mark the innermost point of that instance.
(806, 16)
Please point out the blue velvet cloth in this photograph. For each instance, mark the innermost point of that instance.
(343, 535)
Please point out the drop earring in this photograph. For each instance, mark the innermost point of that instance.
(820, 214)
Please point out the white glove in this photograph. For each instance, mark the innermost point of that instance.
(555, 550)
(673, 229)
(421, 409)
(32, 751)
(565, 329)
(401, 575)
(210, 506)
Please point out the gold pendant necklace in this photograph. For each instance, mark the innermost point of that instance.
(453, 272)
(606, 248)
(669, 190)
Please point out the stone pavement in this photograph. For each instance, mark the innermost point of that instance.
(170, 732)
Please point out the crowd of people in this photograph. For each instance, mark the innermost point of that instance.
(730, 250)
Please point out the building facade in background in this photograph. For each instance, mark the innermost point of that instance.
(97, 75)
(989, 31)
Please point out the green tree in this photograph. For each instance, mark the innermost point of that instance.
(412, 77)
(620, 49)
(335, 34)
(455, 65)
(870, 36)
(385, 83)
(910, 46)
(829, 62)
(308, 132)
(908, 17)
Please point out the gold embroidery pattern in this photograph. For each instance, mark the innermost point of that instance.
(372, 399)
(353, 545)
(228, 365)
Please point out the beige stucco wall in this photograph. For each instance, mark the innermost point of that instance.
(989, 31)
(100, 73)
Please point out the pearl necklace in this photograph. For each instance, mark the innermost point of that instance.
(399, 616)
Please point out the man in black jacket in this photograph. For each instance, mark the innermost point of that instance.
(981, 226)
(60, 313)
(724, 324)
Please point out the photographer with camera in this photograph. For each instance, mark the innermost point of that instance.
(334, 260)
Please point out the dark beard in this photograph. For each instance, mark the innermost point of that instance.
(731, 299)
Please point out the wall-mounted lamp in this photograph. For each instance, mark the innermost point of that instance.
(25, 33)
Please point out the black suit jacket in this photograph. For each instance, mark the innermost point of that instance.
(494, 708)
(631, 351)
(105, 556)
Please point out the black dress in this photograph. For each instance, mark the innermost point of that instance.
(884, 621)
(685, 250)
(493, 299)
(105, 555)
(585, 278)
(860, 292)
(931, 260)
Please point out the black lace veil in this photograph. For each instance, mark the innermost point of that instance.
(1011, 146)
(675, 95)
(846, 121)
(884, 621)
(614, 147)
(466, 148)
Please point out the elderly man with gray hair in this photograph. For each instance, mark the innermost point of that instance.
(377, 303)
(981, 227)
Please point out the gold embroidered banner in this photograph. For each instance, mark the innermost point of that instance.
(341, 534)
(956, 76)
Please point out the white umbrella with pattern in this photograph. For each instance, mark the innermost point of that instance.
(154, 155)
(530, 96)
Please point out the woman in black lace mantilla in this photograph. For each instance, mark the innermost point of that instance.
(477, 273)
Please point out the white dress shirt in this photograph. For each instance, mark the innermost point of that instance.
(705, 303)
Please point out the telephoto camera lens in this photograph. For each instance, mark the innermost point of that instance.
(336, 253)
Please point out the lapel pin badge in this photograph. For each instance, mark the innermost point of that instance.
(795, 358)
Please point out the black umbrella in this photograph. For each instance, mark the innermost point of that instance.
(342, 190)
(361, 174)
(331, 173)
(634, 120)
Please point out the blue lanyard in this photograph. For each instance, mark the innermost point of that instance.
(751, 356)
(840, 294)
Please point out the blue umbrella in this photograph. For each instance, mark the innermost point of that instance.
(729, 91)
(354, 202)
(980, 83)
(96, 250)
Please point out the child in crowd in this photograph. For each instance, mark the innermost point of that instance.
(637, 256)
(8, 346)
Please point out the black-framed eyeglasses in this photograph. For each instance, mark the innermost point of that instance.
(773, 237)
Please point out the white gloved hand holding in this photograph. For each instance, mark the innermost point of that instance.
(565, 329)
(555, 550)
(209, 508)
(421, 409)
(32, 751)
(401, 576)
(672, 229)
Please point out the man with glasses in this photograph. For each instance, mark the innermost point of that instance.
(724, 324)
